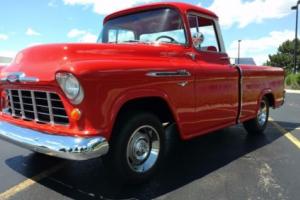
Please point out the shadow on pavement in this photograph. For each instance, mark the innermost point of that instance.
(290, 126)
(191, 160)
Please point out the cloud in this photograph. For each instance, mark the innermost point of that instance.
(33, 44)
(3, 37)
(9, 54)
(260, 48)
(31, 32)
(52, 3)
(108, 7)
(82, 36)
(231, 12)
(75, 33)
(243, 13)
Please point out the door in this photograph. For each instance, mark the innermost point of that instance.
(216, 82)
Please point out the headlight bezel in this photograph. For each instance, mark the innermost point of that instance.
(64, 78)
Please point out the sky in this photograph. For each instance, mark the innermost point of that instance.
(262, 25)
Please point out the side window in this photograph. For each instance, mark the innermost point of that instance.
(204, 34)
(120, 35)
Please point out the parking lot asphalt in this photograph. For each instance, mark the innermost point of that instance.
(227, 164)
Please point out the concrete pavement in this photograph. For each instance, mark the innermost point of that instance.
(228, 164)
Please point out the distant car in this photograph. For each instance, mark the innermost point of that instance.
(158, 71)
(245, 61)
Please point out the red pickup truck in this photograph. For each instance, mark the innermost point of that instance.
(157, 70)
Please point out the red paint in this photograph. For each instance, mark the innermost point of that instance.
(182, 7)
(113, 74)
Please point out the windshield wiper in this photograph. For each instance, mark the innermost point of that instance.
(136, 41)
(129, 41)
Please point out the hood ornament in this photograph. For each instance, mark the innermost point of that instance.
(14, 77)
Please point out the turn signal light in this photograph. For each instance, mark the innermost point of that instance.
(75, 114)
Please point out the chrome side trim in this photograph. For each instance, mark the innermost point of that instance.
(240, 92)
(28, 79)
(191, 55)
(68, 147)
(178, 73)
(183, 83)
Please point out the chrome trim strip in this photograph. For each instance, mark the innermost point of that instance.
(191, 55)
(28, 79)
(178, 73)
(240, 92)
(183, 83)
(68, 147)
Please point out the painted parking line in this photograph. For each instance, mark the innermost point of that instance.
(29, 182)
(286, 133)
(292, 91)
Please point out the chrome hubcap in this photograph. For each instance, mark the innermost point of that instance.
(143, 148)
(262, 114)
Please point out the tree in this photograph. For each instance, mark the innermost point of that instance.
(285, 56)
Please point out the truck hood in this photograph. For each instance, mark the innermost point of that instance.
(44, 61)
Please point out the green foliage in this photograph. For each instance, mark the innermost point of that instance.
(285, 56)
(292, 81)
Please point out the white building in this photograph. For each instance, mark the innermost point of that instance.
(245, 61)
(5, 60)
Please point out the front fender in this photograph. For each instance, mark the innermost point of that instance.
(127, 96)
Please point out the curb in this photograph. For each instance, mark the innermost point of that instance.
(292, 91)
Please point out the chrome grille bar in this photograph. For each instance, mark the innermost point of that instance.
(50, 108)
(12, 106)
(21, 103)
(34, 106)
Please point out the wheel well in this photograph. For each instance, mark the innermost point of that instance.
(155, 105)
(271, 99)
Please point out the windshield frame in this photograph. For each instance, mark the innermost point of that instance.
(178, 11)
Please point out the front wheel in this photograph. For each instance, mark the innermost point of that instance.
(137, 147)
(259, 124)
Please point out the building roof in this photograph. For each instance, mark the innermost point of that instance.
(245, 61)
(182, 7)
(5, 60)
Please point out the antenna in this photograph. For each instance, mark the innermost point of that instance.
(239, 51)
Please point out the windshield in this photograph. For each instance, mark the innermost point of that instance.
(160, 25)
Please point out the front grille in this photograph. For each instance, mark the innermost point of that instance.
(42, 107)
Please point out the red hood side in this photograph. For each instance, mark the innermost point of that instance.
(44, 61)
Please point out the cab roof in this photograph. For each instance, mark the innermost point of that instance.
(182, 7)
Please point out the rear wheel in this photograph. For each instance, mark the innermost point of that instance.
(259, 124)
(137, 147)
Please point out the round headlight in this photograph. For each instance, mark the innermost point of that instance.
(71, 87)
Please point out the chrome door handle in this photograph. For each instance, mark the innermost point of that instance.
(178, 73)
(183, 73)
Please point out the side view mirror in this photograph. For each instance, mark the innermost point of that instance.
(198, 39)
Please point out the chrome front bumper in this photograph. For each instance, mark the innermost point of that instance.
(73, 148)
